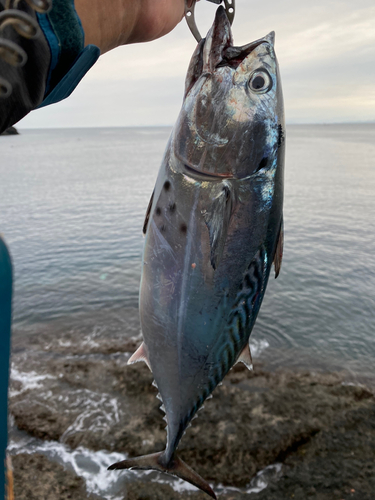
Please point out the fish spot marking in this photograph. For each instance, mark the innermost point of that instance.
(183, 228)
(167, 185)
(158, 211)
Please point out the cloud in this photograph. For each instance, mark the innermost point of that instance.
(326, 52)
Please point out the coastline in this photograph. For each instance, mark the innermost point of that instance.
(305, 435)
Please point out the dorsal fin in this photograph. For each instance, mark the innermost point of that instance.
(277, 260)
(195, 67)
(245, 357)
(147, 218)
(140, 355)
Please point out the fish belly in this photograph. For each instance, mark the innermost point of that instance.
(195, 320)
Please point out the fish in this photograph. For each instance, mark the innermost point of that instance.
(213, 229)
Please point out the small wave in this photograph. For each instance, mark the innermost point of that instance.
(92, 467)
(91, 410)
(89, 465)
(257, 347)
(263, 478)
(27, 380)
(100, 413)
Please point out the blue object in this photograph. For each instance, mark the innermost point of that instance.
(65, 36)
(5, 324)
(65, 87)
(70, 61)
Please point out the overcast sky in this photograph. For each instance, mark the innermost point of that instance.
(326, 52)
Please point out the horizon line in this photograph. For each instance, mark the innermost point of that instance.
(370, 122)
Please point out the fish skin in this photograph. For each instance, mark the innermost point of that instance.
(213, 229)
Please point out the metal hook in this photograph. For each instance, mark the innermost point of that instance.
(230, 9)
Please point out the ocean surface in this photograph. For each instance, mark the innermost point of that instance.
(72, 205)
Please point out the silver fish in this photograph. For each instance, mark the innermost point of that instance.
(213, 228)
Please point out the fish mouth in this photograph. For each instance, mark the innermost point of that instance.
(204, 175)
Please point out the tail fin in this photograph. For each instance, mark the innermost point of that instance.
(176, 467)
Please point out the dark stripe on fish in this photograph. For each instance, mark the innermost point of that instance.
(240, 323)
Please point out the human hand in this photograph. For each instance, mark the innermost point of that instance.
(119, 22)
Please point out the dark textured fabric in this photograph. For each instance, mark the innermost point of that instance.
(68, 30)
(65, 36)
(51, 57)
(29, 81)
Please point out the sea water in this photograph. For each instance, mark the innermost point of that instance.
(72, 205)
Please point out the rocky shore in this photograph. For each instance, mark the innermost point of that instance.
(308, 436)
(10, 131)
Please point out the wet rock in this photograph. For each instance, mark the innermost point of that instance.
(40, 422)
(321, 430)
(35, 478)
(10, 131)
(255, 420)
(151, 491)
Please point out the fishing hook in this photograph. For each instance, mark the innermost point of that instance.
(230, 9)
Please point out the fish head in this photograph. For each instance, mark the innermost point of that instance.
(232, 114)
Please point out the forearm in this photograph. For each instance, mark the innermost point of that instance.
(119, 22)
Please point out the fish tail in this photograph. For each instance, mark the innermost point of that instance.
(176, 467)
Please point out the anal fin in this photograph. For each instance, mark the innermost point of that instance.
(245, 357)
(140, 355)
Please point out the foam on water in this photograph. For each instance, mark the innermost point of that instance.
(100, 413)
(262, 479)
(110, 485)
(28, 380)
(257, 347)
(91, 466)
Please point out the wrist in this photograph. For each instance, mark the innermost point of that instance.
(103, 24)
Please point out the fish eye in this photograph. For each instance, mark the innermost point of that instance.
(260, 82)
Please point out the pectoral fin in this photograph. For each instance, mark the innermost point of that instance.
(217, 219)
(277, 260)
(147, 218)
(245, 357)
(139, 355)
